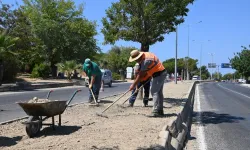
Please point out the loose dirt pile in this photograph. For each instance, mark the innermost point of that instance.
(124, 129)
(36, 100)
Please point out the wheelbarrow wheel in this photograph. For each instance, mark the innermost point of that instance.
(33, 127)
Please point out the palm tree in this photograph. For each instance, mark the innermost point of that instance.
(6, 43)
(69, 67)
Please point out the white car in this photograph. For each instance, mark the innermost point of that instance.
(195, 77)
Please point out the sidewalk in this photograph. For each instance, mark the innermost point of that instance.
(124, 129)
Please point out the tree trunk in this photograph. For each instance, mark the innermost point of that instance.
(53, 69)
(1, 73)
(144, 47)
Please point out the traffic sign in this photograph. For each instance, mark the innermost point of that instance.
(211, 65)
(226, 65)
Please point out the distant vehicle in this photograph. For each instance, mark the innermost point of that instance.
(106, 77)
(241, 81)
(195, 77)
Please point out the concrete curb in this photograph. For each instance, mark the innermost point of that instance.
(32, 87)
(72, 105)
(174, 135)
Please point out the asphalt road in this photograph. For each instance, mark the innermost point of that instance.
(223, 110)
(10, 110)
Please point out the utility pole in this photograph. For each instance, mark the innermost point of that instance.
(176, 49)
(218, 74)
(201, 54)
(188, 50)
(212, 55)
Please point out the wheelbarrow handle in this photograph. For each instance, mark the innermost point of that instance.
(72, 97)
(49, 94)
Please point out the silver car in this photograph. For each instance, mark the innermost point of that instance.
(106, 78)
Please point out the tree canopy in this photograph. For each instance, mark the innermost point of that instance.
(143, 21)
(241, 61)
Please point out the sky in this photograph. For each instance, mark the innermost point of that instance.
(224, 22)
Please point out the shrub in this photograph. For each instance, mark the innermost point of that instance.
(42, 70)
(116, 76)
(11, 68)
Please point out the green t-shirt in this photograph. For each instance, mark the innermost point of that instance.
(93, 70)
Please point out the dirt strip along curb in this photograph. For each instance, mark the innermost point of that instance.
(25, 117)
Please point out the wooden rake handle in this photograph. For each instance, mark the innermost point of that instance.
(115, 101)
(136, 92)
(93, 95)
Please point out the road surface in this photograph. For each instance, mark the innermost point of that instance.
(10, 110)
(222, 111)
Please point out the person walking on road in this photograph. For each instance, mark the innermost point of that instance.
(95, 78)
(146, 85)
(150, 66)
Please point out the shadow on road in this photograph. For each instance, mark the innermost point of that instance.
(63, 130)
(175, 101)
(208, 117)
(7, 141)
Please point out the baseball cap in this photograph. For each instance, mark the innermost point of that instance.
(87, 62)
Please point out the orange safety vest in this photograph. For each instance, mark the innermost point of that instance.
(155, 66)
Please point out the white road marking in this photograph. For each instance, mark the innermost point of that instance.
(234, 91)
(200, 128)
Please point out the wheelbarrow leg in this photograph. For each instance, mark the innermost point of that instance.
(53, 123)
(59, 120)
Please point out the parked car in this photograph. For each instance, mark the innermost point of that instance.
(195, 77)
(106, 77)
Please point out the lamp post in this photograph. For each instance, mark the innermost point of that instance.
(176, 48)
(201, 53)
(188, 47)
(212, 56)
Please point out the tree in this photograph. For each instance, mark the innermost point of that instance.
(8, 63)
(64, 32)
(69, 67)
(117, 58)
(143, 21)
(204, 73)
(217, 74)
(241, 61)
(181, 65)
(227, 76)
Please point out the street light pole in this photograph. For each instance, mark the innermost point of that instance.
(212, 55)
(176, 49)
(201, 55)
(188, 50)
(188, 55)
(200, 61)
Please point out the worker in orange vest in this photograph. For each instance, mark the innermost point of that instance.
(150, 66)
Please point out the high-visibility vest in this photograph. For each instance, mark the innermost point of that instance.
(155, 66)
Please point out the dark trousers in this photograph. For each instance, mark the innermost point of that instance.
(146, 91)
(95, 88)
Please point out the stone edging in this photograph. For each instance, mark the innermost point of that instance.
(173, 136)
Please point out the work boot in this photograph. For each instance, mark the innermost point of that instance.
(157, 113)
(130, 105)
(90, 100)
(145, 101)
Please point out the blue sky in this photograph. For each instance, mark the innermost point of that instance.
(224, 22)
